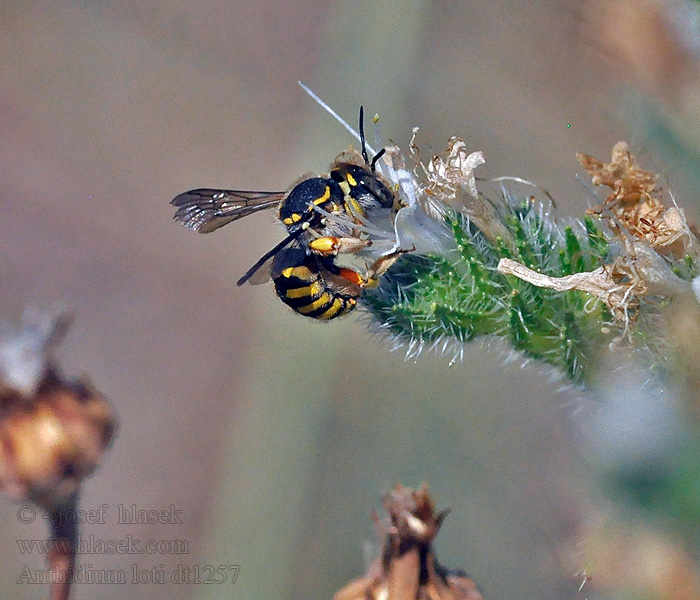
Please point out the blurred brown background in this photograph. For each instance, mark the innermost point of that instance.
(275, 436)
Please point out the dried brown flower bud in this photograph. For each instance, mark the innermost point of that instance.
(50, 442)
(407, 568)
(53, 431)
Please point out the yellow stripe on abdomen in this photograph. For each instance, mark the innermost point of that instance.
(300, 272)
(333, 309)
(307, 291)
(317, 304)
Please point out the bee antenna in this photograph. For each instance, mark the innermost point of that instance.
(362, 134)
(377, 156)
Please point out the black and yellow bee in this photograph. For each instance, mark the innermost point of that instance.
(324, 217)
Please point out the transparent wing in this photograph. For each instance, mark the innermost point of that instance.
(263, 262)
(263, 274)
(205, 210)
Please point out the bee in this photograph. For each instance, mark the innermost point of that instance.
(324, 217)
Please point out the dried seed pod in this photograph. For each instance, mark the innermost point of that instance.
(407, 568)
(49, 443)
(53, 431)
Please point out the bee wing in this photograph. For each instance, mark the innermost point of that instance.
(265, 261)
(205, 210)
(262, 274)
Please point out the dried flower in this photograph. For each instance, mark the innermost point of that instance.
(636, 206)
(407, 568)
(53, 433)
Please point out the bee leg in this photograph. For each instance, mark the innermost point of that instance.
(381, 266)
(332, 246)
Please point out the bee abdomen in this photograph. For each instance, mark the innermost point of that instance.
(307, 292)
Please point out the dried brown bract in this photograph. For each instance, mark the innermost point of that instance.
(452, 174)
(450, 182)
(636, 203)
(629, 183)
(407, 568)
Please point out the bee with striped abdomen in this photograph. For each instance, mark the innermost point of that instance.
(324, 217)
